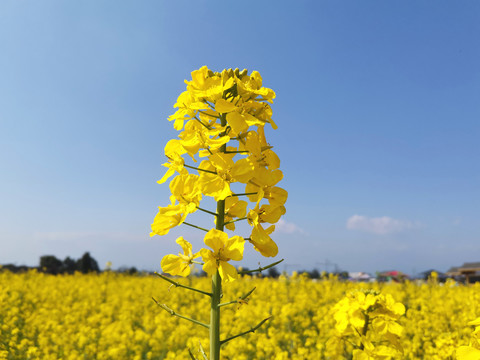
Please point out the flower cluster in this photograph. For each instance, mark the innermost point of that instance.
(471, 352)
(221, 118)
(368, 319)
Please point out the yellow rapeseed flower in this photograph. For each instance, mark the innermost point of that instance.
(179, 264)
(224, 250)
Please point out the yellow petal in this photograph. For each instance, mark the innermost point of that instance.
(163, 223)
(216, 187)
(230, 226)
(178, 124)
(224, 106)
(252, 143)
(243, 170)
(234, 248)
(271, 159)
(252, 120)
(227, 272)
(164, 178)
(215, 239)
(475, 322)
(198, 105)
(199, 76)
(272, 213)
(237, 122)
(262, 242)
(235, 208)
(276, 196)
(186, 246)
(210, 266)
(468, 353)
(174, 265)
(174, 147)
(185, 189)
(361, 355)
(222, 161)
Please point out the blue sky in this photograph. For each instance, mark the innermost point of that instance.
(377, 106)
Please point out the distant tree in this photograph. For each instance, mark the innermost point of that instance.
(87, 264)
(50, 264)
(273, 272)
(128, 270)
(246, 273)
(15, 268)
(69, 265)
(314, 274)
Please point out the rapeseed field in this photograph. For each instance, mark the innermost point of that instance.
(113, 316)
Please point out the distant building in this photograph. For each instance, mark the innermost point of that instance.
(360, 276)
(470, 271)
(392, 275)
(425, 275)
(453, 271)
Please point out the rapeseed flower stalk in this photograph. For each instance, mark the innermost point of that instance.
(221, 118)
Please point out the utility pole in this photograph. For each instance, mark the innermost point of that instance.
(327, 264)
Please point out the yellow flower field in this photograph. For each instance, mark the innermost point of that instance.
(113, 316)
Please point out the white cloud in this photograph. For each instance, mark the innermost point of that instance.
(380, 225)
(288, 227)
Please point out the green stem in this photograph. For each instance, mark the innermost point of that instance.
(173, 313)
(202, 352)
(240, 299)
(232, 221)
(210, 104)
(191, 355)
(365, 329)
(207, 114)
(201, 122)
(207, 211)
(250, 193)
(177, 284)
(216, 279)
(260, 269)
(195, 226)
(195, 168)
(215, 317)
(245, 332)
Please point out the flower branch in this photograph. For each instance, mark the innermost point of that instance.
(260, 269)
(195, 168)
(207, 211)
(241, 299)
(232, 221)
(177, 284)
(246, 332)
(195, 226)
(245, 194)
(201, 122)
(173, 313)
